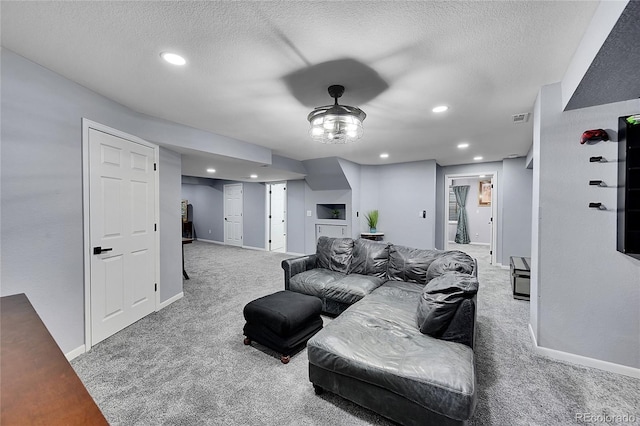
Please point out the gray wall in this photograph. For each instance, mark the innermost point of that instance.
(439, 212)
(517, 186)
(586, 293)
(170, 224)
(296, 217)
(254, 215)
(41, 190)
(400, 192)
(352, 173)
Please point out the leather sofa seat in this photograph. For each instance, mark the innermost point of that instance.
(377, 342)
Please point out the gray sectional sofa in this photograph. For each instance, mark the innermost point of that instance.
(402, 342)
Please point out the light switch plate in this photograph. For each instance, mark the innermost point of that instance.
(309, 213)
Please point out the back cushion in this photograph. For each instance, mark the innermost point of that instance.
(334, 253)
(450, 261)
(370, 258)
(409, 264)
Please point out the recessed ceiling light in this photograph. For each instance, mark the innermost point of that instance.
(384, 155)
(478, 158)
(211, 170)
(440, 108)
(254, 176)
(173, 58)
(463, 145)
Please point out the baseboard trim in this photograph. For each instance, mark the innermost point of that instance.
(295, 254)
(254, 248)
(583, 360)
(210, 241)
(171, 300)
(75, 353)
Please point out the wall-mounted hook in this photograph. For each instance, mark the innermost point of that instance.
(597, 183)
(599, 159)
(598, 206)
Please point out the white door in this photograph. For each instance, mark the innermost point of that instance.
(233, 214)
(277, 215)
(122, 233)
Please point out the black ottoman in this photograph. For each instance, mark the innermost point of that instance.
(282, 321)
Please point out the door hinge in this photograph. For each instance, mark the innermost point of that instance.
(269, 241)
(156, 287)
(155, 227)
(269, 216)
(269, 191)
(490, 252)
(154, 166)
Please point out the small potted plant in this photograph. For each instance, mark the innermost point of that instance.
(372, 220)
(335, 213)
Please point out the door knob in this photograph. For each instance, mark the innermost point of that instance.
(98, 250)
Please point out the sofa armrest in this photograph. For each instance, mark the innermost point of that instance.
(296, 265)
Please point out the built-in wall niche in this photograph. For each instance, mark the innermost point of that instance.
(331, 211)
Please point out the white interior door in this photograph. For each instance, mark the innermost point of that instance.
(277, 217)
(233, 214)
(122, 200)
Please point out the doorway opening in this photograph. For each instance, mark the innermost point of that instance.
(277, 217)
(480, 203)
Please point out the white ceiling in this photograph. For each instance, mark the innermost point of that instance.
(256, 69)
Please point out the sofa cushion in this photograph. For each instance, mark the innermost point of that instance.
(313, 281)
(351, 288)
(369, 258)
(441, 299)
(450, 261)
(334, 253)
(409, 264)
(376, 342)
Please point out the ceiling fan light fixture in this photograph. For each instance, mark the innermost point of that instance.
(336, 124)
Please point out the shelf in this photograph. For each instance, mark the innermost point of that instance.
(326, 211)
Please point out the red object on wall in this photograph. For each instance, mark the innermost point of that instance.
(594, 136)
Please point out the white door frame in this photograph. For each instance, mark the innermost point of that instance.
(494, 208)
(267, 209)
(86, 125)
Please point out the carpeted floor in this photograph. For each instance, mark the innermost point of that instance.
(187, 365)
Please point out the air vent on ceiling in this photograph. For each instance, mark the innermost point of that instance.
(520, 118)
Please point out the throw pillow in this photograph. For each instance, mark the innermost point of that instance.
(440, 300)
(410, 264)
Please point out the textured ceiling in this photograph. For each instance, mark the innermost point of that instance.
(255, 69)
